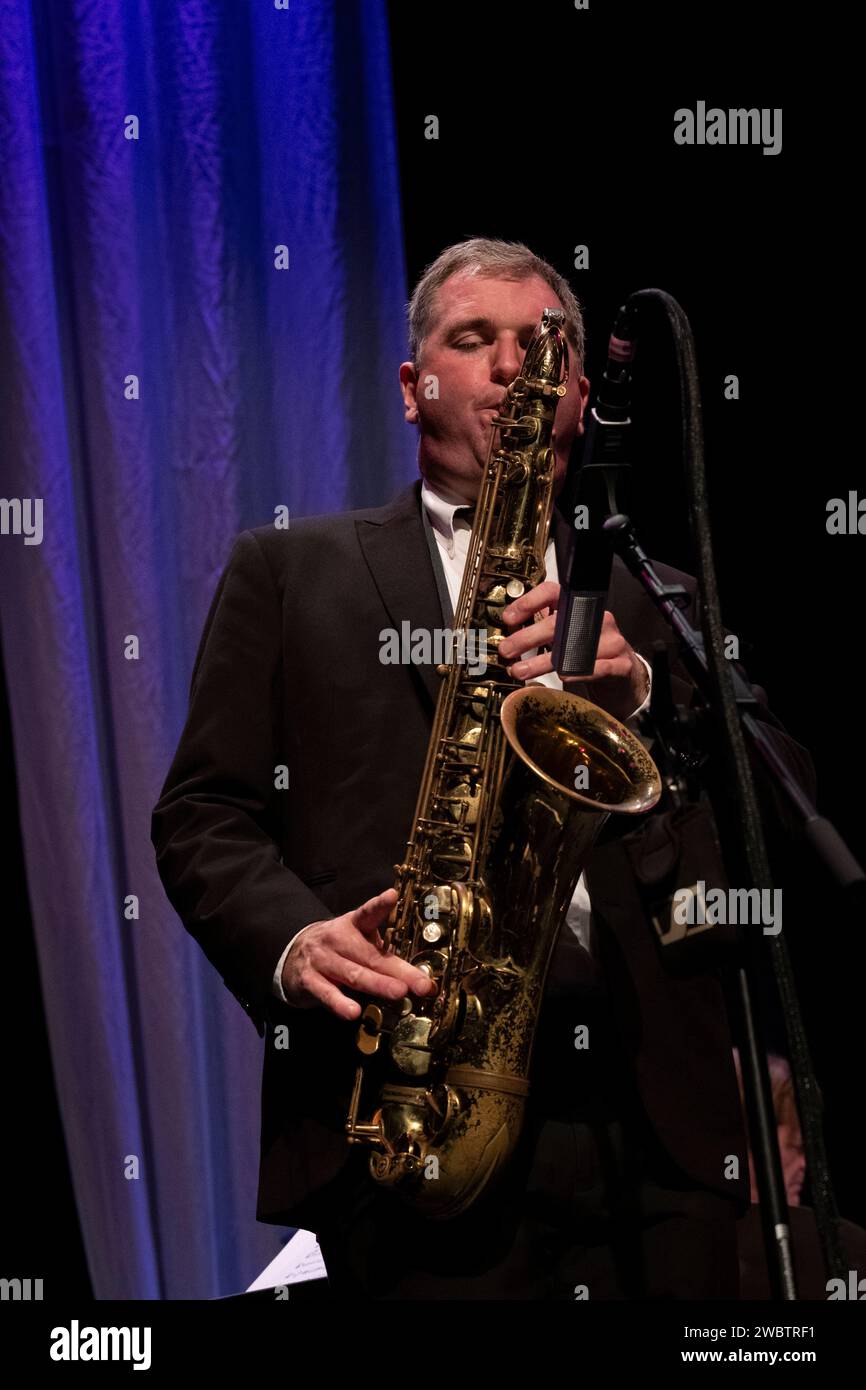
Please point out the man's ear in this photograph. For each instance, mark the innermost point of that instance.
(409, 388)
(583, 392)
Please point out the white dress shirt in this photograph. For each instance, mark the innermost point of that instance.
(452, 529)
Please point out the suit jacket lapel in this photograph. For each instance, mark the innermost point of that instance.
(396, 552)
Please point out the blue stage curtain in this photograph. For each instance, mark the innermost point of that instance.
(163, 386)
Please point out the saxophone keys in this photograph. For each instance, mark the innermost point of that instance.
(370, 1030)
(409, 1045)
(433, 906)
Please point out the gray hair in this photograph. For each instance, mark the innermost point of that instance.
(483, 256)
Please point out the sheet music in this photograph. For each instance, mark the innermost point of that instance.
(299, 1260)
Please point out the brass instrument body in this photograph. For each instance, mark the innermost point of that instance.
(500, 835)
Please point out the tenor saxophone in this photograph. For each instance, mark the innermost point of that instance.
(518, 781)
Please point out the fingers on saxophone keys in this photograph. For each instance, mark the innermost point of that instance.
(418, 981)
(541, 597)
(371, 914)
(385, 977)
(393, 976)
(368, 980)
(527, 640)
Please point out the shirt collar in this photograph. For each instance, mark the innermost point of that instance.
(442, 505)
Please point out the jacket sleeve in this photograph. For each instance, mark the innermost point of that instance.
(216, 825)
(780, 818)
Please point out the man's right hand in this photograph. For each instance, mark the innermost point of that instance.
(348, 950)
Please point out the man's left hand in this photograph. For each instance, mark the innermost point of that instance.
(618, 683)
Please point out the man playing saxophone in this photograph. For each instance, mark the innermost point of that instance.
(620, 1187)
(474, 351)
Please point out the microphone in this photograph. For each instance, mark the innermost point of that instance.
(583, 595)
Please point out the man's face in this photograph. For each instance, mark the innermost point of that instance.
(475, 349)
(791, 1154)
(793, 1157)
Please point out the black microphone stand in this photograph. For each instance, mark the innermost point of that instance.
(728, 703)
(666, 729)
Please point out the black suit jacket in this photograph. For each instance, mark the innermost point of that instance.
(288, 674)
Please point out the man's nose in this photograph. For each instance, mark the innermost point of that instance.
(507, 362)
(797, 1170)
